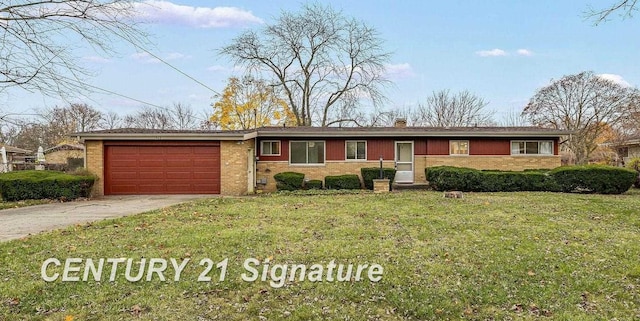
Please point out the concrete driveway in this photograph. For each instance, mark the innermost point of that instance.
(20, 222)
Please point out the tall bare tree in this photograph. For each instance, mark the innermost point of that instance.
(184, 117)
(583, 103)
(40, 37)
(444, 109)
(626, 8)
(515, 119)
(321, 59)
(151, 118)
(111, 120)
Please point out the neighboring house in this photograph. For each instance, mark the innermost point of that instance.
(17, 157)
(60, 154)
(628, 149)
(144, 161)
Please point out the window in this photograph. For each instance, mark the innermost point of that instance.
(532, 147)
(356, 150)
(311, 152)
(270, 148)
(458, 147)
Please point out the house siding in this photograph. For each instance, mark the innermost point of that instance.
(61, 156)
(95, 164)
(266, 170)
(234, 159)
(509, 163)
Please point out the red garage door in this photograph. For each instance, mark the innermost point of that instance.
(162, 168)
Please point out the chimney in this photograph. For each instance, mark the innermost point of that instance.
(400, 123)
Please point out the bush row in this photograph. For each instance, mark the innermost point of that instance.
(32, 184)
(587, 179)
(290, 181)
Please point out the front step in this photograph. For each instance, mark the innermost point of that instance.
(410, 186)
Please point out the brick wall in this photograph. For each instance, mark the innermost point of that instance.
(95, 164)
(60, 156)
(268, 169)
(234, 165)
(507, 163)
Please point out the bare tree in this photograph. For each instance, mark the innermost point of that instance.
(444, 109)
(583, 103)
(626, 7)
(40, 37)
(111, 120)
(183, 116)
(319, 58)
(515, 119)
(152, 118)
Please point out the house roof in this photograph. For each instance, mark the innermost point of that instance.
(64, 147)
(160, 134)
(165, 134)
(409, 131)
(15, 150)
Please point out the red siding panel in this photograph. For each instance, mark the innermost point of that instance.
(335, 149)
(284, 151)
(488, 146)
(420, 147)
(377, 147)
(438, 146)
(162, 168)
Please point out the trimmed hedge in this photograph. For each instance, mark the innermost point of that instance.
(589, 178)
(313, 184)
(599, 179)
(289, 181)
(22, 185)
(348, 181)
(634, 164)
(371, 173)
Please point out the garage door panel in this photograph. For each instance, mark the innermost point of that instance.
(150, 168)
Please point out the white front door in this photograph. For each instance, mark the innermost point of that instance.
(404, 162)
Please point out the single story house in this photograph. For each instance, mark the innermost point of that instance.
(61, 153)
(628, 149)
(149, 161)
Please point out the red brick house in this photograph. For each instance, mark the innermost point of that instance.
(143, 161)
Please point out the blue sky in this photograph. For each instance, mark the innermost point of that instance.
(501, 50)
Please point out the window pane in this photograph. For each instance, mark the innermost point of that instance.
(351, 150)
(298, 152)
(546, 148)
(459, 147)
(515, 148)
(362, 146)
(532, 147)
(275, 148)
(316, 152)
(266, 148)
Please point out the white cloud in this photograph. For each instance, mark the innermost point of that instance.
(96, 59)
(146, 58)
(399, 71)
(160, 11)
(524, 52)
(492, 53)
(615, 79)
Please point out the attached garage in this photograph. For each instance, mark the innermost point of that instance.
(167, 167)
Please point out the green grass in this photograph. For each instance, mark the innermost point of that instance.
(5, 205)
(487, 256)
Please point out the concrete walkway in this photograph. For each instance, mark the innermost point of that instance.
(20, 222)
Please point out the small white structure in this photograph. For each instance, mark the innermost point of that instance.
(4, 167)
(40, 160)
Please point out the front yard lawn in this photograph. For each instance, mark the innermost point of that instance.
(488, 255)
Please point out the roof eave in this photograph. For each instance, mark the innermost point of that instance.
(412, 134)
(164, 136)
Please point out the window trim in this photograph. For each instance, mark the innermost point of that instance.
(324, 153)
(270, 141)
(459, 140)
(525, 141)
(346, 154)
